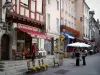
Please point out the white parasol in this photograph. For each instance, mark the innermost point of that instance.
(78, 44)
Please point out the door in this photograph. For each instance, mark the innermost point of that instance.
(5, 47)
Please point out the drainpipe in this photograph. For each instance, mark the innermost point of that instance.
(60, 24)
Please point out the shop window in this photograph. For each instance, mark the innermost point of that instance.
(20, 41)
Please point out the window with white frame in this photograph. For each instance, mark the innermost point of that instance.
(49, 1)
(32, 5)
(69, 9)
(65, 22)
(75, 26)
(66, 8)
(57, 4)
(69, 22)
(48, 20)
(57, 24)
(62, 21)
(24, 3)
(39, 6)
(99, 32)
(72, 25)
(62, 9)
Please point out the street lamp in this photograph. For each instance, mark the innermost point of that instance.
(8, 4)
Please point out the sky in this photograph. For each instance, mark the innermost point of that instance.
(94, 5)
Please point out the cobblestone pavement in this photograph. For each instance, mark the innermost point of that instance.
(69, 68)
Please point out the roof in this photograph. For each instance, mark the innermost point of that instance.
(86, 4)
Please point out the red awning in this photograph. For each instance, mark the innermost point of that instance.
(33, 32)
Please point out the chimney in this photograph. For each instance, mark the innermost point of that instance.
(98, 21)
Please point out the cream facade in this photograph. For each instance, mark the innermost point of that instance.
(86, 21)
(79, 16)
(68, 13)
(53, 20)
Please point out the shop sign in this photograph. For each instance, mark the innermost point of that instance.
(34, 40)
(34, 32)
(13, 47)
(62, 37)
(21, 41)
(27, 27)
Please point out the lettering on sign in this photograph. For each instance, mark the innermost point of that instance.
(21, 41)
(27, 27)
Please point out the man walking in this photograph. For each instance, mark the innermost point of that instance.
(34, 49)
(77, 54)
(83, 57)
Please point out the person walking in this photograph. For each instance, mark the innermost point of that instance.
(73, 52)
(77, 54)
(83, 57)
(34, 49)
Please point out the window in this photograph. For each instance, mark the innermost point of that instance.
(99, 32)
(24, 3)
(57, 4)
(65, 22)
(48, 20)
(72, 25)
(65, 8)
(39, 6)
(62, 9)
(69, 9)
(62, 21)
(69, 22)
(57, 24)
(49, 1)
(33, 5)
(75, 26)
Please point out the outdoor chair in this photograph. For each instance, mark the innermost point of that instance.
(17, 55)
(56, 62)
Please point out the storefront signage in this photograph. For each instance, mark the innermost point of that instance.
(34, 40)
(21, 41)
(27, 27)
(32, 31)
(62, 37)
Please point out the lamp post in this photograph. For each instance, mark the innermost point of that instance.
(8, 4)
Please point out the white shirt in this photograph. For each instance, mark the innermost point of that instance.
(86, 51)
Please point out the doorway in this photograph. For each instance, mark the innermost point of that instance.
(5, 47)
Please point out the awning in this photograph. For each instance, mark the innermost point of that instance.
(33, 32)
(67, 35)
(69, 29)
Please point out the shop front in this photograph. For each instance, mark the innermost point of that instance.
(26, 37)
(52, 45)
(69, 37)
